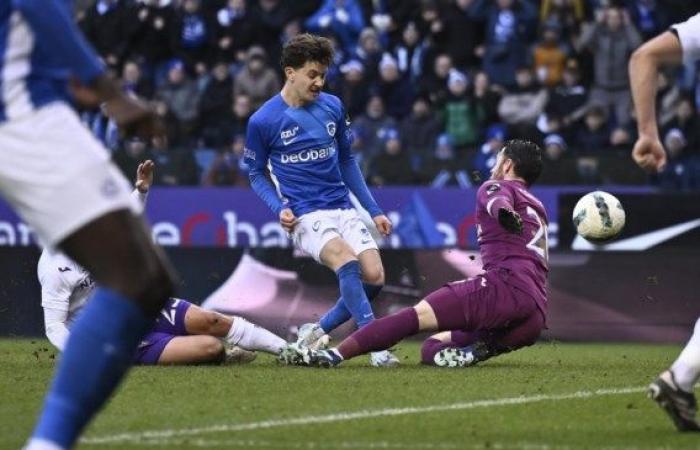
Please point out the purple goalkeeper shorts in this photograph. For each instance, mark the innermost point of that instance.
(169, 324)
(486, 303)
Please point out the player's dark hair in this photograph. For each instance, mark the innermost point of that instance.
(526, 157)
(306, 47)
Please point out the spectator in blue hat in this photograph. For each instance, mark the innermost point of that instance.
(558, 166)
(443, 168)
(485, 158)
(393, 166)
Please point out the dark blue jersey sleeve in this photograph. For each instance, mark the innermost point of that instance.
(256, 155)
(52, 20)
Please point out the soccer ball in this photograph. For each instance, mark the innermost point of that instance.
(598, 217)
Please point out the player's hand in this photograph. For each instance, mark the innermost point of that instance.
(510, 220)
(649, 154)
(383, 224)
(288, 220)
(144, 176)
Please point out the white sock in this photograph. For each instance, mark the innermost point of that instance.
(252, 337)
(42, 444)
(686, 369)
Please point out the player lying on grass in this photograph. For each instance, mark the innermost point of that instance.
(501, 310)
(673, 389)
(183, 333)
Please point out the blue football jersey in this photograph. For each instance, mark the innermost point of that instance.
(40, 49)
(305, 148)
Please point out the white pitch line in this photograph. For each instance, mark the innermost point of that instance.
(346, 416)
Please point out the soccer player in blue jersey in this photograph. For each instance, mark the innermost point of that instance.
(60, 180)
(301, 135)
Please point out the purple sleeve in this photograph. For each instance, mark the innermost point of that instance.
(493, 196)
(51, 19)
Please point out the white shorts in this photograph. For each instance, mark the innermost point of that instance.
(56, 175)
(315, 229)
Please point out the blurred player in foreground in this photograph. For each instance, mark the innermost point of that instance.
(502, 309)
(302, 136)
(673, 389)
(183, 333)
(60, 180)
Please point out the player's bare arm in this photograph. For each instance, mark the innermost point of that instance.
(665, 49)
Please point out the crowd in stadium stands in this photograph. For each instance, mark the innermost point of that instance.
(433, 87)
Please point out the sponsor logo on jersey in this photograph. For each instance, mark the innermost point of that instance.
(330, 127)
(316, 226)
(308, 155)
(289, 136)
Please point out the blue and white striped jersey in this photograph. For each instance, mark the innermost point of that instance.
(40, 50)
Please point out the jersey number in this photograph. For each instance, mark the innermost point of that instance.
(539, 242)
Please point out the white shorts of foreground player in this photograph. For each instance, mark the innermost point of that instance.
(36, 151)
(315, 229)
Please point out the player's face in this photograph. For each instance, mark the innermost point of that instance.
(308, 81)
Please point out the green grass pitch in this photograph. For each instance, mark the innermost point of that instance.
(552, 396)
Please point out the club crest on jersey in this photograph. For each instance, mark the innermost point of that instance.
(495, 187)
(330, 127)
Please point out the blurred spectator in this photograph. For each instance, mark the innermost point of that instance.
(370, 125)
(393, 165)
(256, 79)
(419, 131)
(567, 15)
(566, 103)
(434, 83)
(549, 57)
(443, 167)
(215, 113)
(104, 25)
(396, 91)
(228, 167)
(486, 98)
(460, 115)
(270, 17)
(150, 24)
(485, 158)
(343, 18)
(678, 173)
(521, 107)
(509, 28)
(353, 87)
(176, 166)
(133, 81)
(686, 121)
(234, 31)
(242, 110)
(621, 139)
(193, 37)
(464, 34)
(178, 102)
(593, 134)
(410, 52)
(130, 154)
(369, 53)
(431, 25)
(612, 39)
(557, 166)
(649, 18)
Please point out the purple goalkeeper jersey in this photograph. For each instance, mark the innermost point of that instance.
(524, 255)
